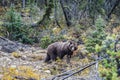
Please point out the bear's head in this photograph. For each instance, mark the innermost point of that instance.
(72, 46)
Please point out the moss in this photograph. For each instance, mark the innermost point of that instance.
(24, 72)
(16, 55)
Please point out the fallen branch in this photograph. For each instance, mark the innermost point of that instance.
(66, 73)
(84, 67)
(79, 70)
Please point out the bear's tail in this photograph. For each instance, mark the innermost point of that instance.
(47, 58)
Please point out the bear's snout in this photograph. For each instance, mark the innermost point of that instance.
(73, 49)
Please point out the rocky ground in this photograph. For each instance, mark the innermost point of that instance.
(14, 55)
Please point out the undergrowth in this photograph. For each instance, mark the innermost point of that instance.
(18, 73)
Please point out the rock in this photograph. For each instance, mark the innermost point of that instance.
(4, 61)
(47, 71)
(2, 54)
(24, 57)
(8, 49)
(1, 76)
(0, 47)
(13, 66)
(9, 46)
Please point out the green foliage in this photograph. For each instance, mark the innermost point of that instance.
(14, 27)
(108, 45)
(110, 66)
(96, 36)
(95, 8)
(108, 73)
(57, 38)
(24, 72)
(46, 40)
(97, 48)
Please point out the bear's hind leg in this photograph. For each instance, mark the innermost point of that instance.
(47, 59)
(53, 57)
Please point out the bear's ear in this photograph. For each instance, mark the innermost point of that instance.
(69, 41)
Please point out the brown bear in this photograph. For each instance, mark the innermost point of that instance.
(60, 49)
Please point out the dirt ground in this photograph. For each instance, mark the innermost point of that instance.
(15, 55)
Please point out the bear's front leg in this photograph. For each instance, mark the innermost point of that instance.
(68, 58)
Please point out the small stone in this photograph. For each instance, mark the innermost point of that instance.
(48, 71)
(1, 76)
(13, 66)
(24, 57)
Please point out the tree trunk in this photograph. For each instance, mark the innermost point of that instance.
(55, 14)
(110, 6)
(66, 13)
(46, 16)
(23, 3)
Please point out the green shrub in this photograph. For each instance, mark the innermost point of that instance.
(96, 36)
(15, 28)
(110, 66)
(46, 40)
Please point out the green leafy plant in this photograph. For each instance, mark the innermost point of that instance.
(46, 40)
(24, 72)
(15, 28)
(96, 36)
(111, 65)
(98, 42)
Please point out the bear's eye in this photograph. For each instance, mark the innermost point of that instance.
(75, 48)
(70, 42)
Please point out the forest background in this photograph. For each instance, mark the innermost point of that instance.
(92, 23)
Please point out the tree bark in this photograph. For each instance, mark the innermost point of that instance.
(66, 13)
(110, 6)
(55, 14)
(46, 16)
(23, 3)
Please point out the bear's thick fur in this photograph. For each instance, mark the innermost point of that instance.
(60, 49)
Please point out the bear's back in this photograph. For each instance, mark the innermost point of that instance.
(56, 45)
